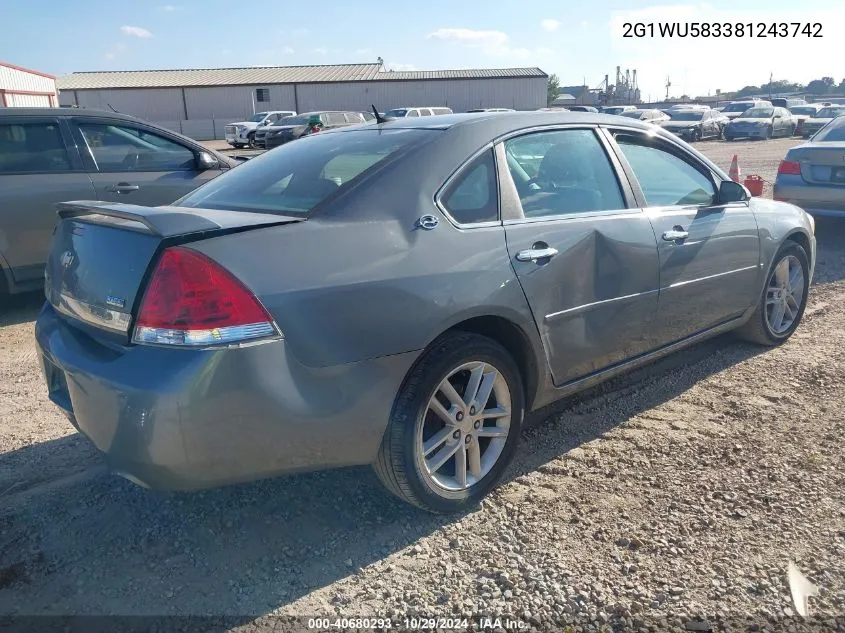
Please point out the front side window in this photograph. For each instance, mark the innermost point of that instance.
(474, 195)
(562, 172)
(665, 179)
(117, 148)
(32, 148)
(296, 177)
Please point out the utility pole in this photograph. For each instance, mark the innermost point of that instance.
(771, 76)
(668, 85)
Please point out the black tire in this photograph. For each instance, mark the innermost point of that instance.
(251, 140)
(757, 329)
(696, 135)
(769, 133)
(397, 464)
(237, 145)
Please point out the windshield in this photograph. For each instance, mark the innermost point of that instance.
(302, 119)
(295, 178)
(617, 110)
(399, 112)
(686, 115)
(758, 113)
(634, 114)
(257, 117)
(832, 132)
(804, 110)
(830, 113)
(737, 107)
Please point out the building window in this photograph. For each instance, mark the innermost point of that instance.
(262, 95)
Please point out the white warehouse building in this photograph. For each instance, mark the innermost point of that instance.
(25, 88)
(200, 102)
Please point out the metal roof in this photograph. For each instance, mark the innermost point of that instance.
(269, 75)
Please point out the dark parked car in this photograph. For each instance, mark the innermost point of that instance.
(803, 112)
(812, 175)
(581, 108)
(694, 125)
(291, 128)
(820, 119)
(401, 294)
(766, 122)
(48, 155)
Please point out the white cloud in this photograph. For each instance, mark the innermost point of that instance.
(115, 50)
(321, 51)
(550, 25)
(170, 8)
(135, 31)
(698, 65)
(492, 43)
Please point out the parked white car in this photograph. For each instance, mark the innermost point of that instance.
(243, 132)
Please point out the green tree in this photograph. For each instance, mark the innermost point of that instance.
(820, 86)
(553, 89)
(747, 91)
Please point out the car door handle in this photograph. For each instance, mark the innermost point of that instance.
(123, 187)
(677, 234)
(533, 254)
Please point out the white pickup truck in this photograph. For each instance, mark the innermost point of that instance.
(243, 132)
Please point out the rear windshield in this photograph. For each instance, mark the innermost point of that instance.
(634, 114)
(758, 113)
(296, 177)
(737, 107)
(396, 113)
(686, 115)
(832, 132)
(830, 113)
(294, 120)
(803, 110)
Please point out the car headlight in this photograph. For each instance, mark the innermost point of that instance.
(241, 129)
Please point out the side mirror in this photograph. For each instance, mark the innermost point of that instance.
(207, 161)
(730, 191)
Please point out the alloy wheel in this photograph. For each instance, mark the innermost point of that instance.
(784, 295)
(465, 426)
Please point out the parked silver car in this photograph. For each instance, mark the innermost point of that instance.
(401, 294)
(812, 175)
(48, 155)
(765, 122)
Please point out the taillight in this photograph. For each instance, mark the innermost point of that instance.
(314, 129)
(193, 301)
(789, 168)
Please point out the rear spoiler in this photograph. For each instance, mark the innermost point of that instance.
(170, 221)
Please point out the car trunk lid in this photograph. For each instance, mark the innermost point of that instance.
(819, 164)
(101, 254)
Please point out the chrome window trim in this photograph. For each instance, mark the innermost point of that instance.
(438, 202)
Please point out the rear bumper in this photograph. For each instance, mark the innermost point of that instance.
(188, 419)
(817, 200)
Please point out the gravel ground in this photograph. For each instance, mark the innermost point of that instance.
(670, 497)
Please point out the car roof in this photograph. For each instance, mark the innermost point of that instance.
(501, 122)
(77, 112)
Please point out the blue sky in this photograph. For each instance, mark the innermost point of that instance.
(577, 40)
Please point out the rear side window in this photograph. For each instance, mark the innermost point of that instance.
(412, 113)
(335, 118)
(296, 177)
(473, 196)
(442, 110)
(32, 148)
(425, 112)
(561, 173)
(117, 148)
(666, 180)
(354, 117)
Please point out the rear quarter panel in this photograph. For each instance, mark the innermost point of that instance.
(360, 280)
(778, 221)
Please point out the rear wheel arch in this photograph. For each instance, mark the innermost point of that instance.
(515, 341)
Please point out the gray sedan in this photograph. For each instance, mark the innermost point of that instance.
(402, 294)
(812, 175)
